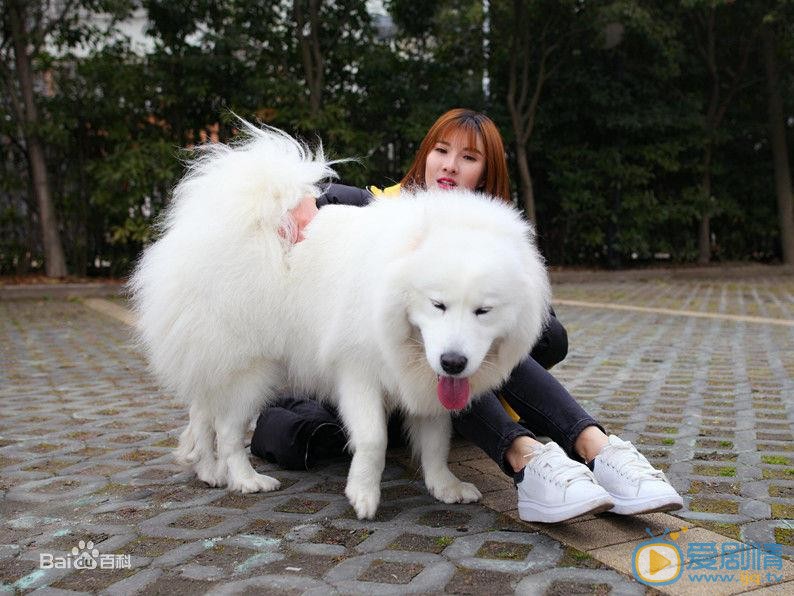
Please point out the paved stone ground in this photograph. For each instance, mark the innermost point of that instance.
(85, 441)
(709, 401)
(771, 297)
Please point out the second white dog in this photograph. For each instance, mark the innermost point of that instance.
(414, 304)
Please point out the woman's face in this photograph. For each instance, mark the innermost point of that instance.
(454, 163)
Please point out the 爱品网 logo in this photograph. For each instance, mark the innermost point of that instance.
(658, 561)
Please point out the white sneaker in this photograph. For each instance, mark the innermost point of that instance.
(633, 483)
(553, 488)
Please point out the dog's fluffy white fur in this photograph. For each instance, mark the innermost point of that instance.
(361, 313)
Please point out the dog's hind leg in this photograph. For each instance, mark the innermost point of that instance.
(197, 447)
(430, 441)
(207, 467)
(189, 452)
(231, 424)
(362, 411)
(186, 453)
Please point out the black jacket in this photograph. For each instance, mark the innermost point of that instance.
(340, 194)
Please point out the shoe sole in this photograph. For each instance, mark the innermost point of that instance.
(552, 515)
(654, 506)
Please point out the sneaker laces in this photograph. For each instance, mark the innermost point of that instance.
(553, 464)
(630, 462)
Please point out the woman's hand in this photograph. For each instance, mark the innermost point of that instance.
(301, 216)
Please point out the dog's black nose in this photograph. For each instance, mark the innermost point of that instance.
(453, 363)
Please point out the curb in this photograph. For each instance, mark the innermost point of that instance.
(68, 290)
(718, 272)
(557, 276)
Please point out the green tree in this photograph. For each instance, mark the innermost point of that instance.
(776, 26)
(540, 37)
(24, 31)
(36, 47)
(724, 34)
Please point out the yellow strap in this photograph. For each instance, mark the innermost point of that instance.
(389, 191)
(510, 411)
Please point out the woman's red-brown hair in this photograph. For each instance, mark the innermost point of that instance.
(496, 181)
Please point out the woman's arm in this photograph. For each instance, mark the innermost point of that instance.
(341, 194)
(303, 213)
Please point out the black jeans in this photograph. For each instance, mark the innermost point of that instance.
(284, 430)
(295, 432)
(544, 405)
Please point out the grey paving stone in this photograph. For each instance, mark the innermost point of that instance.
(543, 552)
(264, 583)
(189, 524)
(135, 584)
(47, 591)
(57, 487)
(434, 574)
(584, 579)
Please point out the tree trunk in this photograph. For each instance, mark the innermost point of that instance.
(311, 53)
(521, 107)
(525, 178)
(704, 239)
(704, 228)
(54, 261)
(777, 136)
(717, 108)
(80, 237)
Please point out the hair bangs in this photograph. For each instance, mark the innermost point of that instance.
(467, 128)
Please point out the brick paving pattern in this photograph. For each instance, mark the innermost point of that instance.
(770, 297)
(711, 402)
(86, 440)
(85, 454)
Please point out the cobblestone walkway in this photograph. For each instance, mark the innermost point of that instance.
(85, 455)
(770, 297)
(85, 442)
(709, 401)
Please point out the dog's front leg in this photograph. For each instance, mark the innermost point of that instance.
(364, 417)
(430, 440)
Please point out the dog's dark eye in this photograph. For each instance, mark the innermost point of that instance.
(482, 310)
(439, 305)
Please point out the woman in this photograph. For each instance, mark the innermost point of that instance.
(463, 148)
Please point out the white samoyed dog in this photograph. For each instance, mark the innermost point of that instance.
(413, 304)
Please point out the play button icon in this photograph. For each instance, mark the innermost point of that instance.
(657, 562)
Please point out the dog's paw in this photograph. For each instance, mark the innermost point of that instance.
(455, 491)
(364, 500)
(210, 472)
(187, 453)
(256, 483)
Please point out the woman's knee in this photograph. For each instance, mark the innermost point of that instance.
(552, 347)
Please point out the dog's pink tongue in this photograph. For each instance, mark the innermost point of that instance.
(453, 393)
